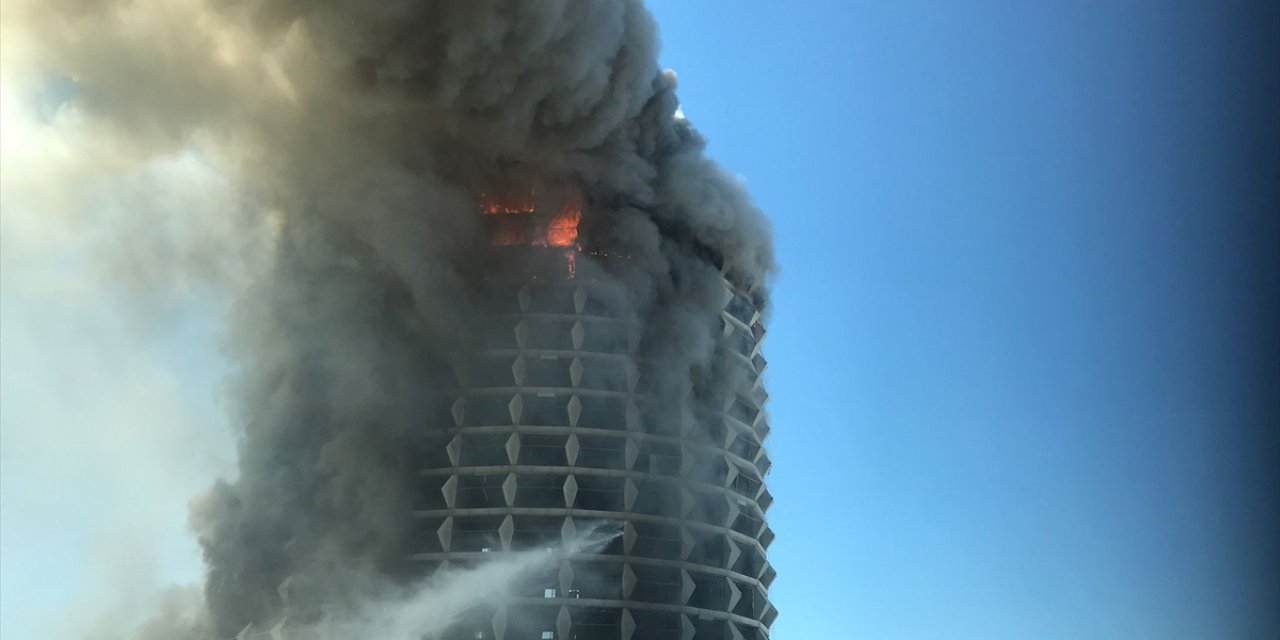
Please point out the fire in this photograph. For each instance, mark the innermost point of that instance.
(508, 204)
(563, 229)
(520, 223)
(514, 219)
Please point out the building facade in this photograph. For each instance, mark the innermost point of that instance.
(552, 433)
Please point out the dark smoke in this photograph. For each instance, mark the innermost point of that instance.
(365, 131)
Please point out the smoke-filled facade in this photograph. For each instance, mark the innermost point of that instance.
(561, 422)
(507, 298)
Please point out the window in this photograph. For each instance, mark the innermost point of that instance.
(710, 550)
(604, 373)
(740, 307)
(548, 635)
(742, 411)
(487, 410)
(540, 491)
(533, 532)
(599, 493)
(549, 335)
(656, 624)
(747, 523)
(745, 483)
(711, 507)
(597, 579)
(601, 452)
(548, 593)
(545, 409)
(547, 371)
(663, 420)
(543, 450)
(597, 623)
(476, 534)
(657, 499)
(656, 541)
(759, 362)
(744, 447)
(660, 585)
(659, 458)
(602, 413)
(605, 337)
(750, 561)
(485, 450)
(750, 603)
(709, 591)
(741, 343)
(481, 491)
(710, 467)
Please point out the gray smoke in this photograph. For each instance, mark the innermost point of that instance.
(361, 133)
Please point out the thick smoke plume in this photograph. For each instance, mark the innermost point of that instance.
(357, 136)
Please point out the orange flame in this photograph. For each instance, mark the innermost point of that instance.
(517, 224)
(506, 204)
(563, 230)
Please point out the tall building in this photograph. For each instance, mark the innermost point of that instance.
(553, 430)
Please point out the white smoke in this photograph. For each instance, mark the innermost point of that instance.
(111, 383)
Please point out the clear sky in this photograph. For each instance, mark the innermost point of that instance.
(1025, 370)
(1023, 349)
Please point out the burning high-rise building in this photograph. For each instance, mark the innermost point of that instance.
(493, 295)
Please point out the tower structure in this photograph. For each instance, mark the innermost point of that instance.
(553, 430)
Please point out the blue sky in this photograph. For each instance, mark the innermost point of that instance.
(1023, 349)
